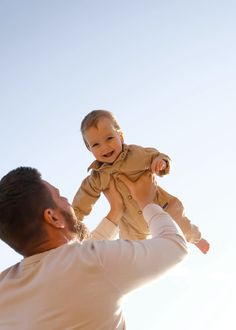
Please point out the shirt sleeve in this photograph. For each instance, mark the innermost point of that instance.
(131, 264)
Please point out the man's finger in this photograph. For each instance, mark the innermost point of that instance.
(146, 176)
(124, 179)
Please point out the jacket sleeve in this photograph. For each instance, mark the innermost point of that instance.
(176, 210)
(193, 235)
(152, 153)
(105, 230)
(86, 196)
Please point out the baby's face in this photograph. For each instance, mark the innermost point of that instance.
(104, 141)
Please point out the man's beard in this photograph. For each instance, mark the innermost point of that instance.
(79, 230)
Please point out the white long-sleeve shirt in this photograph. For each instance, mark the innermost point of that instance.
(80, 286)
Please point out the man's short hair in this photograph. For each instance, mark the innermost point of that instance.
(23, 199)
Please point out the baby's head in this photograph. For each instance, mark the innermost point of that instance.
(102, 135)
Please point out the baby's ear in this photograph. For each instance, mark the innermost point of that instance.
(87, 145)
(121, 136)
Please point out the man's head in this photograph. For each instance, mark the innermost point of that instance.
(102, 135)
(32, 212)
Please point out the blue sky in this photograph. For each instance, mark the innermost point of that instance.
(167, 70)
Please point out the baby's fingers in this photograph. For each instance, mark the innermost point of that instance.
(154, 166)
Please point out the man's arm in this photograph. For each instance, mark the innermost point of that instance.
(106, 230)
(128, 265)
(108, 227)
(131, 264)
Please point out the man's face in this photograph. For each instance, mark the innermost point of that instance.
(73, 225)
(104, 141)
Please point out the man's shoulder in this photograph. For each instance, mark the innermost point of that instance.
(9, 271)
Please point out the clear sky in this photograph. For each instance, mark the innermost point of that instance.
(167, 69)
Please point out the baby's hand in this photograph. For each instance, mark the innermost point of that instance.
(158, 165)
(203, 245)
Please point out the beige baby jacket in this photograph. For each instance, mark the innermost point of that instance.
(132, 162)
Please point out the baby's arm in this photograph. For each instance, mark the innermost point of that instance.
(194, 237)
(161, 165)
(86, 196)
(176, 210)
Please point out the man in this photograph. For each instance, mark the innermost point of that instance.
(62, 283)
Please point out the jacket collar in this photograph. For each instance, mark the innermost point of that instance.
(97, 166)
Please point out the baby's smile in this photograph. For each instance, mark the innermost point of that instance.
(109, 154)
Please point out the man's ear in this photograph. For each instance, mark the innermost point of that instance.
(53, 218)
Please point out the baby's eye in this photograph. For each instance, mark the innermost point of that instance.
(95, 145)
(110, 137)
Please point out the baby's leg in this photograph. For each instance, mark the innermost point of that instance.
(175, 208)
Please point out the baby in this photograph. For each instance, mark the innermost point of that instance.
(103, 137)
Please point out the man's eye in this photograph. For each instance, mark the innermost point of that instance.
(110, 138)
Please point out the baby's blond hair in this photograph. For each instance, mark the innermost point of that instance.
(92, 119)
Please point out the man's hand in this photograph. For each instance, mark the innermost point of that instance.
(116, 203)
(143, 190)
(158, 165)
